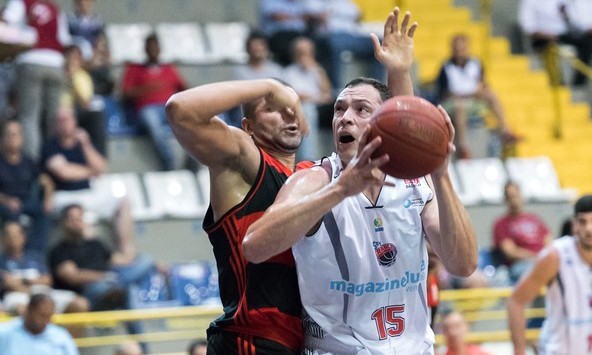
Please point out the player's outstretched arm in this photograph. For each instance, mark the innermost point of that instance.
(446, 221)
(529, 286)
(305, 198)
(192, 115)
(396, 51)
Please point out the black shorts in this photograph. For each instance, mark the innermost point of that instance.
(223, 343)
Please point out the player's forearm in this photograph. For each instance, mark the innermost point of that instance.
(459, 249)
(399, 82)
(517, 326)
(200, 104)
(284, 225)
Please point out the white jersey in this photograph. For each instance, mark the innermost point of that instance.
(362, 275)
(567, 329)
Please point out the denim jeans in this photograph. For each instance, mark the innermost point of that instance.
(126, 277)
(153, 118)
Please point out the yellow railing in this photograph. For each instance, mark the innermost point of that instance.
(186, 323)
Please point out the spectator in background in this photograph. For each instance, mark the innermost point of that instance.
(464, 93)
(39, 70)
(519, 235)
(282, 21)
(308, 78)
(25, 192)
(258, 66)
(72, 162)
(149, 86)
(85, 26)
(337, 30)
(559, 21)
(455, 330)
(198, 347)
(99, 68)
(80, 95)
(24, 273)
(82, 263)
(33, 333)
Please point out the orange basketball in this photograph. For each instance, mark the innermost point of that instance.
(414, 135)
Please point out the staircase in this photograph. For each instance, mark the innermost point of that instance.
(525, 94)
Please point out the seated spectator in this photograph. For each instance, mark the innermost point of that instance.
(109, 279)
(80, 94)
(85, 26)
(464, 93)
(259, 66)
(308, 78)
(25, 192)
(337, 30)
(519, 235)
(282, 21)
(34, 334)
(23, 273)
(72, 161)
(149, 86)
(455, 329)
(559, 21)
(99, 68)
(198, 347)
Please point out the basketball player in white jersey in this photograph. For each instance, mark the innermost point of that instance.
(565, 267)
(362, 266)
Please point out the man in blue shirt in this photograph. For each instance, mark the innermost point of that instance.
(34, 334)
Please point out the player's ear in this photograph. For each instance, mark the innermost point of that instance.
(246, 124)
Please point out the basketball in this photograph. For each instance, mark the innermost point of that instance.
(414, 135)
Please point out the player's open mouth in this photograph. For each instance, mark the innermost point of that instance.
(346, 138)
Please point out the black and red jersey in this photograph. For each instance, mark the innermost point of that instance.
(260, 300)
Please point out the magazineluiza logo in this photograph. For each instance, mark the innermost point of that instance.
(409, 280)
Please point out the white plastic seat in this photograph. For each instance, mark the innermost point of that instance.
(126, 42)
(203, 181)
(482, 180)
(227, 40)
(458, 188)
(183, 42)
(537, 179)
(175, 193)
(119, 185)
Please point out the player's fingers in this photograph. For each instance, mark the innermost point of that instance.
(380, 161)
(394, 23)
(388, 24)
(405, 22)
(412, 29)
(449, 124)
(376, 44)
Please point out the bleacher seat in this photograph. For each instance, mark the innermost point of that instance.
(227, 40)
(182, 42)
(174, 193)
(482, 179)
(537, 179)
(203, 181)
(457, 186)
(195, 283)
(130, 185)
(126, 42)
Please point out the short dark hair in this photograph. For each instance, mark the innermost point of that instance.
(382, 89)
(66, 210)
(583, 204)
(254, 36)
(37, 299)
(151, 37)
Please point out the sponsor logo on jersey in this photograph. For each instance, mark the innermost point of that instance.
(411, 183)
(386, 254)
(413, 202)
(407, 281)
(378, 225)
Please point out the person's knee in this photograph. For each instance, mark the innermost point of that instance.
(78, 304)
